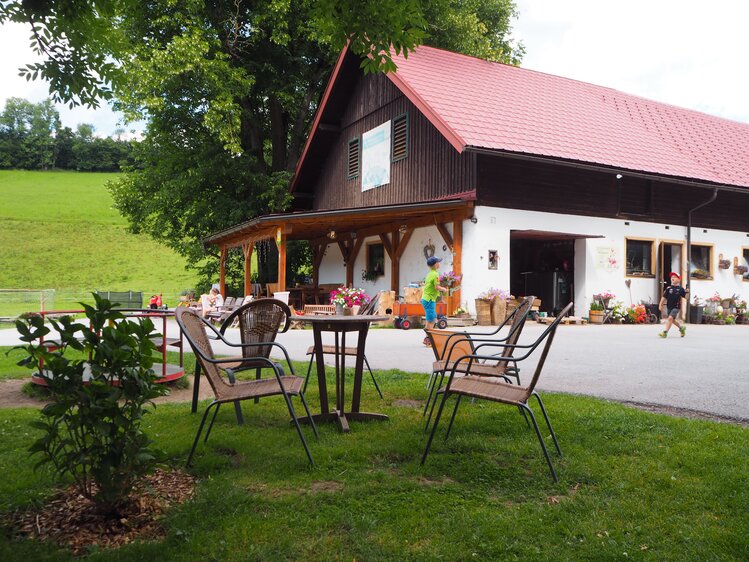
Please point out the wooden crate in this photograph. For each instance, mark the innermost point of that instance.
(412, 295)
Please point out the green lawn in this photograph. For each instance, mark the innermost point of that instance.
(632, 485)
(58, 230)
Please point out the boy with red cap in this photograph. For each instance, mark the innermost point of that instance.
(672, 299)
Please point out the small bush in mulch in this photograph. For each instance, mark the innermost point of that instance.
(72, 521)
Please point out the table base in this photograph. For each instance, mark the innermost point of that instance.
(342, 418)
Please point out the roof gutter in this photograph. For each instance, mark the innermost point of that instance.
(603, 168)
(689, 243)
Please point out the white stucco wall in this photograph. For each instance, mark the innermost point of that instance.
(412, 263)
(492, 232)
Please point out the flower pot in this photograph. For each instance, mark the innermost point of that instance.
(483, 312)
(339, 309)
(595, 316)
(695, 314)
(498, 311)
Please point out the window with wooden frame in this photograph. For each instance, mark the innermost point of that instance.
(701, 266)
(400, 137)
(745, 264)
(354, 158)
(640, 254)
(375, 260)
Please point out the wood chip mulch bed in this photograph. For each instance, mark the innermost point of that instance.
(71, 521)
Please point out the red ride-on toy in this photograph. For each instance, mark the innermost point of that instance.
(403, 310)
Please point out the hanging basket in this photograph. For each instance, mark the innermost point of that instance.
(483, 312)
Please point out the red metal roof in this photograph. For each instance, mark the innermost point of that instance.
(481, 104)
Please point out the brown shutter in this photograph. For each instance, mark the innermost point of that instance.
(353, 158)
(400, 137)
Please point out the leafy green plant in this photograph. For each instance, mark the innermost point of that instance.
(595, 305)
(91, 429)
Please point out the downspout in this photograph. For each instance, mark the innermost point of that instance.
(689, 245)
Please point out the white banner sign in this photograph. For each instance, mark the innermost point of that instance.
(375, 160)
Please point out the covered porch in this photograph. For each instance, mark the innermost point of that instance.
(392, 225)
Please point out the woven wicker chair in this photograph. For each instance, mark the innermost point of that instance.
(490, 388)
(448, 346)
(259, 321)
(194, 329)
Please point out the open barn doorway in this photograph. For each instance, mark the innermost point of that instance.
(543, 264)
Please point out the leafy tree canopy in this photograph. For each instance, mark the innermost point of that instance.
(228, 87)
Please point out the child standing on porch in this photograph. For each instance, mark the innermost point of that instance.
(429, 295)
(672, 299)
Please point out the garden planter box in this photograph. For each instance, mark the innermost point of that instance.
(695, 314)
(498, 311)
(483, 312)
(595, 316)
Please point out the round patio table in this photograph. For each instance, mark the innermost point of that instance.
(340, 326)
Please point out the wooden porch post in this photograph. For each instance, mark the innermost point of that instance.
(351, 260)
(457, 259)
(247, 251)
(395, 263)
(281, 243)
(318, 253)
(222, 272)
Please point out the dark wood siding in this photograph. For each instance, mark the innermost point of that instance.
(520, 184)
(432, 170)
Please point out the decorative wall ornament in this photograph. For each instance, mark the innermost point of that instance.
(723, 264)
(493, 259)
(429, 250)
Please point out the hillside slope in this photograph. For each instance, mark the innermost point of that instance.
(58, 230)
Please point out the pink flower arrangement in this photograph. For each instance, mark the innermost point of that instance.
(604, 295)
(715, 298)
(349, 296)
(451, 280)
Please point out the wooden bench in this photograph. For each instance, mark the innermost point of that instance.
(319, 309)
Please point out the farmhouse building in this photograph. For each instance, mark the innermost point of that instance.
(520, 180)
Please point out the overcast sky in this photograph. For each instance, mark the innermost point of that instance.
(684, 52)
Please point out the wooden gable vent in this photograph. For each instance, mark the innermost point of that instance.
(353, 158)
(400, 137)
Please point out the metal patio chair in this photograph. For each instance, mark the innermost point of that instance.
(194, 329)
(259, 321)
(448, 346)
(492, 389)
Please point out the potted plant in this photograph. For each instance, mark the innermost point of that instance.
(696, 311)
(595, 315)
(497, 299)
(367, 275)
(348, 300)
(604, 297)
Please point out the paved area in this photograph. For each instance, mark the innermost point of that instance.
(707, 371)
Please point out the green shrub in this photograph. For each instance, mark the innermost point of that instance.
(92, 428)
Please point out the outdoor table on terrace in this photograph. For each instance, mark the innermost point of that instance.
(340, 326)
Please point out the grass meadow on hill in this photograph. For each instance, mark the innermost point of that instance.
(59, 230)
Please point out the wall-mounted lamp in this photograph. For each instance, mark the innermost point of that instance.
(619, 176)
(331, 234)
(403, 228)
(353, 235)
(474, 220)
